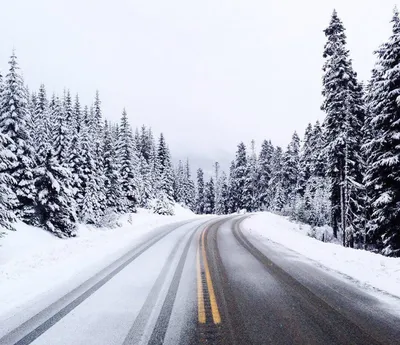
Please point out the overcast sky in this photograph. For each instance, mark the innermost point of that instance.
(208, 73)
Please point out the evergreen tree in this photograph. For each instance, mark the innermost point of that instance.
(318, 155)
(241, 195)
(265, 173)
(128, 165)
(200, 198)
(306, 159)
(40, 136)
(190, 190)
(179, 184)
(344, 117)
(383, 173)
(209, 197)
(231, 189)
(276, 183)
(251, 181)
(54, 203)
(7, 196)
(112, 184)
(146, 190)
(13, 124)
(291, 172)
(59, 134)
(166, 178)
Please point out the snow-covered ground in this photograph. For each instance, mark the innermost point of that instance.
(33, 261)
(369, 269)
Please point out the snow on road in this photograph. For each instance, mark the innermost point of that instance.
(369, 269)
(33, 261)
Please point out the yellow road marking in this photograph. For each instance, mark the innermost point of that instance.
(214, 307)
(200, 295)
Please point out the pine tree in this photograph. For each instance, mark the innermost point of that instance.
(318, 157)
(306, 159)
(83, 175)
(383, 173)
(219, 202)
(146, 191)
(265, 173)
(189, 187)
(13, 124)
(179, 184)
(231, 189)
(97, 134)
(291, 173)
(59, 134)
(40, 136)
(166, 178)
(251, 181)
(200, 198)
(224, 206)
(7, 196)
(209, 197)
(344, 117)
(113, 191)
(241, 195)
(128, 165)
(54, 203)
(276, 183)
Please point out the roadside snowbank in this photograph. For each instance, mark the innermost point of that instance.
(371, 270)
(32, 261)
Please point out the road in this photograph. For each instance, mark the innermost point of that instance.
(207, 281)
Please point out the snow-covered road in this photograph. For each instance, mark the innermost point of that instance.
(206, 281)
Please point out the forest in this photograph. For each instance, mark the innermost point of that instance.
(62, 163)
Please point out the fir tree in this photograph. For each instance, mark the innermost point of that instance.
(251, 181)
(128, 165)
(165, 173)
(40, 135)
(209, 197)
(291, 171)
(7, 196)
(13, 124)
(200, 192)
(344, 117)
(113, 191)
(276, 183)
(54, 203)
(241, 195)
(383, 174)
(265, 173)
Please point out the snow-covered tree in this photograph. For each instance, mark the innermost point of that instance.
(112, 183)
(251, 181)
(383, 173)
(241, 195)
(265, 173)
(129, 167)
(209, 197)
(13, 124)
(54, 204)
(166, 177)
(344, 119)
(200, 192)
(291, 172)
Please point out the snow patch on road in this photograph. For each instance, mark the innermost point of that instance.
(370, 269)
(33, 261)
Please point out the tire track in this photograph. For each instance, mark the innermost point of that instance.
(306, 296)
(89, 287)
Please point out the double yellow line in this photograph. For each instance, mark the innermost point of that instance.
(202, 257)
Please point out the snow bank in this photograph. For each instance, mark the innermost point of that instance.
(32, 261)
(370, 269)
